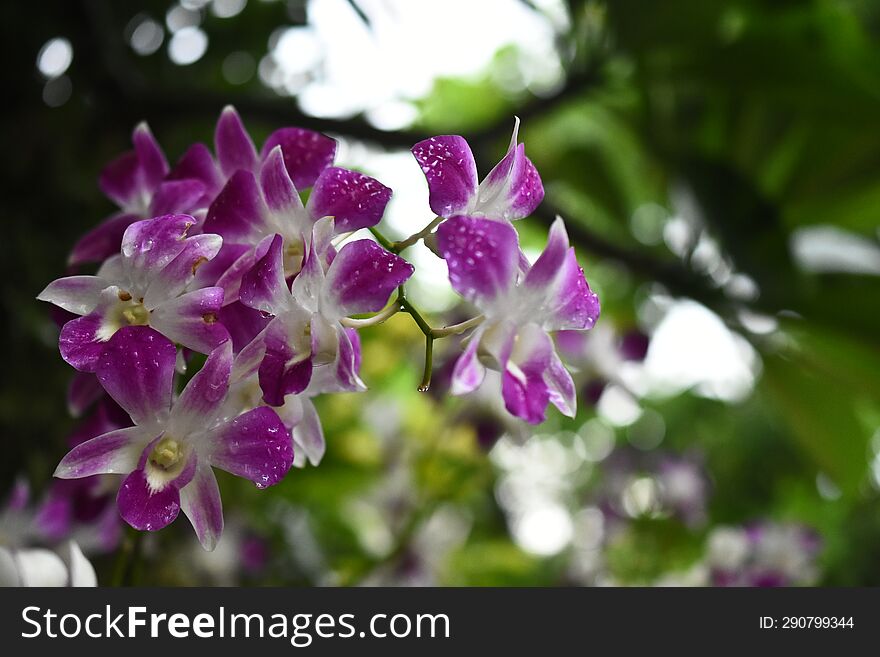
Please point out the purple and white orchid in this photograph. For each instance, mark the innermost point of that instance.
(512, 190)
(138, 182)
(520, 312)
(219, 255)
(307, 339)
(146, 285)
(251, 213)
(169, 453)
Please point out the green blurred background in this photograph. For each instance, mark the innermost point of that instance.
(718, 168)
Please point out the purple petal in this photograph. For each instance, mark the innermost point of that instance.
(204, 394)
(557, 284)
(200, 501)
(136, 369)
(563, 394)
(239, 212)
(153, 165)
(198, 164)
(278, 188)
(102, 241)
(449, 167)
(523, 388)
(284, 370)
(106, 417)
(264, 287)
(176, 276)
(142, 507)
(354, 200)
(76, 294)
(192, 319)
(243, 323)
(82, 391)
(481, 255)
(348, 361)
(81, 343)
(308, 434)
(149, 246)
(234, 147)
(115, 452)
(54, 518)
(469, 372)
(306, 153)
(121, 180)
(255, 445)
(208, 273)
(177, 196)
(363, 275)
(513, 189)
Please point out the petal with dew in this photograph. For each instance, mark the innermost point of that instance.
(363, 276)
(136, 369)
(354, 200)
(255, 445)
(482, 257)
(451, 172)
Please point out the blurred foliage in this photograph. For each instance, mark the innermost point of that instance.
(752, 119)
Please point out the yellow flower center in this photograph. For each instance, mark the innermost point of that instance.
(166, 454)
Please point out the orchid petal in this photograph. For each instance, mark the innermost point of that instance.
(239, 212)
(449, 167)
(173, 278)
(153, 165)
(482, 257)
(235, 150)
(201, 503)
(76, 294)
(264, 286)
(192, 319)
(136, 369)
(279, 191)
(115, 452)
(255, 445)
(354, 200)
(513, 189)
(146, 509)
(205, 393)
(306, 153)
(362, 277)
(102, 241)
(197, 163)
(558, 288)
(469, 372)
(176, 196)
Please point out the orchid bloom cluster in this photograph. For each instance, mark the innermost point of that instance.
(245, 256)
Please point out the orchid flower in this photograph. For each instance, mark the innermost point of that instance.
(520, 311)
(297, 411)
(512, 190)
(306, 338)
(251, 213)
(169, 453)
(137, 182)
(145, 285)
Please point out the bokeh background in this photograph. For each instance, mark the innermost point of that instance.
(718, 167)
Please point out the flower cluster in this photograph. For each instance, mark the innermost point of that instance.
(246, 256)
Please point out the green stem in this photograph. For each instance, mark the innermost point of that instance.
(403, 304)
(128, 559)
(397, 247)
